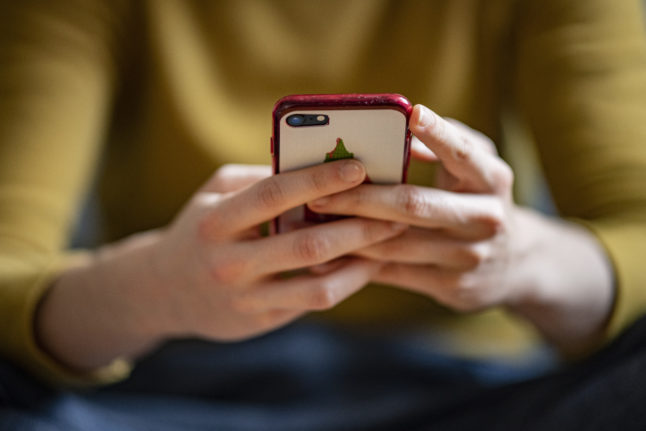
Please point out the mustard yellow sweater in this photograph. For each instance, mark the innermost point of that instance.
(147, 98)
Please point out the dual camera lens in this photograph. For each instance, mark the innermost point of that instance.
(302, 120)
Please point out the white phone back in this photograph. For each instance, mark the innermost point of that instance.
(375, 136)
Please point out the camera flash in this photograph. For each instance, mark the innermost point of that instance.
(320, 118)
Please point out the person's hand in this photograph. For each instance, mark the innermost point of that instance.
(470, 247)
(458, 249)
(211, 274)
(222, 279)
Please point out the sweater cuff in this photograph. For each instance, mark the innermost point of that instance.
(625, 245)
(24, 291)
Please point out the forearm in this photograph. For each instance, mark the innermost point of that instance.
(102, 309)
(564, 281)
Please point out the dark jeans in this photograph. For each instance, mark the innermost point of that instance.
(307, 377)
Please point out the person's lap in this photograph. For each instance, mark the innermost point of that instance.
(314, 378)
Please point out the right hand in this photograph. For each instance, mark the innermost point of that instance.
(216, 277)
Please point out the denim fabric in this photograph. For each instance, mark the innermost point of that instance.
(307, 377)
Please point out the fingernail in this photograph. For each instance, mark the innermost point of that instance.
(423, 118)
(319, 202)
(351, 172)
(398, 226)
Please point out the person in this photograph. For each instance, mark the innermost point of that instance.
(150, 98)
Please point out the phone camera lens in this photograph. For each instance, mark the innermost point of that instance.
(296, 120)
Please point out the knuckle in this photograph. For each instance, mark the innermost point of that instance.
(469, 258)
(411, 201)
(323, 297)
(203, 213)
(476, 255)
(223, 178)
(224, 172)
(467, 305)
(482, 141)
(270, 194)
(227, 270)
(493, 221)
(451, 280)
(311, 247)
(465, 296)
(489, 144)
(216, 179)
(463, 149)
(504, 176)
(209, 226)
(469, 301)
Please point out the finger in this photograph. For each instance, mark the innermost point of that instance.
(479, 170)
(423, 246)
(230, 178)
(312, 292)
(272, 196)
(424, 279)
(273, 319)
(325, 267)
(314, 245)
(477, 137)
(421, 151)
(465, 215)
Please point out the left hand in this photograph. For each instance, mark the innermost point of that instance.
(470, 247)
(459, 248)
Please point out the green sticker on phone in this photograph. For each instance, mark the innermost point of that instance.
(338, 153)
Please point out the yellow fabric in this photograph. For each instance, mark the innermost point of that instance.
(169, 90)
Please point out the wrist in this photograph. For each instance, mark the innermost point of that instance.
(95, 311)
(527, 275)
(563, 281)
(128, 273)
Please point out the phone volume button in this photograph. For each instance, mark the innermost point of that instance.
(271, 146)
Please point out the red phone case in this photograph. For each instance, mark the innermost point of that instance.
(357, 106)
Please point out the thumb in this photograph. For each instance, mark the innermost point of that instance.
(421, 151)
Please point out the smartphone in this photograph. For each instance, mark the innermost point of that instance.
(309, 129)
